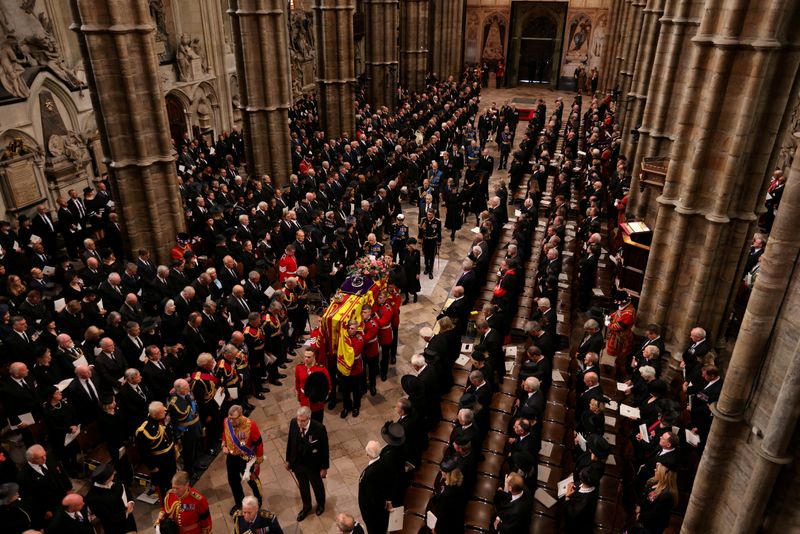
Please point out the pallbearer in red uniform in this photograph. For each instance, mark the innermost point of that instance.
(184, 245)
(620, 325)
(244, 452)
(287, 266)
(186, 507)
(350, 367)
(302, 372)
(385, 312)
(396, 301)
(371, 350)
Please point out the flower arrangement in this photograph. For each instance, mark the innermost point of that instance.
(376, 269)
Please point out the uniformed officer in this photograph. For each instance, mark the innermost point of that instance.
(398, 238)
(301, 291)
(252, 520)
(186, 507)
(384, 312)
(274, 346)
(229, 377)
(204, 388)
(350, 379)
(430, 231)
(302, 372)
(292, 308)
(287, 266)
(185, 421)
(371, 349)
(157, 448)
(252, 351)
(244, 452)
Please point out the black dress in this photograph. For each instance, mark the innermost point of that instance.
(453, 218)
(448, 507)
(654, 515)
(411, 267)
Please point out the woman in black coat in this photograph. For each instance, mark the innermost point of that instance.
(60, 419)
(106, 499)
(411, 269)
(581, 504)
(453, 218)
(661, 495)
(449, 500)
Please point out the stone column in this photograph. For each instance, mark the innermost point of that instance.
(336, 71)
(261, 45)
(414, 18)
(382, 63)
(658, 127)
(731, 109)
(447, 38)
(620, 42)
(117, 42)
(642, 71)
(766, 350)
(606, 73)
(629, 62)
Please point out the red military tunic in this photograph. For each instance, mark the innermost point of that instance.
(396, 301)
(301, 373)
(287, 267)
(357, 342)
(178, 251)
(370, 336)
(249, 435)
(189, 511)
(620, 333)
(385, 312)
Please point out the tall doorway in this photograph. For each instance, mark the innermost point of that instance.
(535, 49)
(176, 118)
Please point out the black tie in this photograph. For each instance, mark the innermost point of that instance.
(25, 336)
(91, 391)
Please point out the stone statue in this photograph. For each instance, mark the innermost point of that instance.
(159, 18)
(302, 51)
(69, 145)
(16, 148)
(184, 56)
(11, 70)
(197, 48)
(580, 32)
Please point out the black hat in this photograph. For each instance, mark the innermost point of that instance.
(449, 464)
(102, 473)
(412, 385)
(87, 190)
(621, 296)
(107, 398)
(670, 461)
(411, 241)
(182, 237)
(467, 400)
(478, 355)
(150, 323)
(22, 218)
(393, 433)
(431, 356)
(658, 388)
(49, 392)
(598, 445)
(316, 387)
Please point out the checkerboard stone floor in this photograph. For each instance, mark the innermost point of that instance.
(347, 437)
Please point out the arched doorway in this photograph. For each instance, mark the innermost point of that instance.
(537, 32)
(176, 117)
(537, 44)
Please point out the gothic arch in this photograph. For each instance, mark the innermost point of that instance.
(47, 82)
(204, 114)
(493, 39)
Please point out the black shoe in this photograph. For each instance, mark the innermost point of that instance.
(275, 382)
(405, 300)
(415, 298)
(282, 366)
(355, 412)
(332, 404)
(281, 375)
(383, 377)
(320, 509)
(292, 353)
(430, 275)
(373, 391)
(264, 389)
(344, 413)
(302, 515)
(259, 396)
(234, 509)
(393, 360)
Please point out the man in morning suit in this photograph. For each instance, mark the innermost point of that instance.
(374, 496)
(307, 457)
(514, 507)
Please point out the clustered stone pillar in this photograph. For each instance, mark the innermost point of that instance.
(382, 63)
(117, 43)
(629, 61)
(658, 125)
(336, 70)
(735, 95)
(447, 38)
(414, 18)
(261, 45)
(606, 73)
(768, 338)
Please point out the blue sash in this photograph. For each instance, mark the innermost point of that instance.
(239, 445)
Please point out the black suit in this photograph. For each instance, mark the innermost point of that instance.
(159, 381)
(582, 403)
(131, 351)
(532, 405)
(515, 515)
(546, 344)
(42, 493)
(593, 343)
(416, 438)
(43, 226)
(17, 349)
(110, 368)
(492, 342)
(112, 299)
(146, 269)
(238, 311)
(20, 399)
(64, 524)
(86, 407)
(543, 370)
(133, 406)
(693, 357)
(307, 456)
(373, 492)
